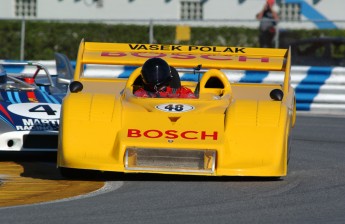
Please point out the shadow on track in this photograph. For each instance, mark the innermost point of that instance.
(42, 165)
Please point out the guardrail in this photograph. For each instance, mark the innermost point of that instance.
(318, 89)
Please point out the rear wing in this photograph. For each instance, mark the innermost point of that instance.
(186, 56)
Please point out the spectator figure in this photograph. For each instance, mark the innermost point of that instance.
(268, 20)
(162, 81)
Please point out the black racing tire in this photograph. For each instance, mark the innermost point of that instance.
(78, 174)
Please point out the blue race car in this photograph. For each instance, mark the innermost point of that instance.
(30, 106)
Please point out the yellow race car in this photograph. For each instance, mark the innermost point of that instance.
(229, 129)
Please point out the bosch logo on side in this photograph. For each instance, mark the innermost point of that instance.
(172, 134)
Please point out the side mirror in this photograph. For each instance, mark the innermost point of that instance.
(75, 87)
(277, 95)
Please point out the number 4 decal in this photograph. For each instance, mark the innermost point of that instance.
(43, 108)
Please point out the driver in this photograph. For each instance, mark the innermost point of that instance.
(156, 75)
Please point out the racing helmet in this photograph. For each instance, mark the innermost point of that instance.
(155, 73)
(3, 75)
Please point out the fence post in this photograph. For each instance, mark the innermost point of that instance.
(151, 38)
(22, 40)
(276, 41)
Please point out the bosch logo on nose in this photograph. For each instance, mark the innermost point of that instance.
(172, 134)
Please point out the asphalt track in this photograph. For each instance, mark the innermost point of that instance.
(313, 191)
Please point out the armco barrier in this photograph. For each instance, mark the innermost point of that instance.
(318, 89)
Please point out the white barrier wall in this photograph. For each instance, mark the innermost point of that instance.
(318, 89)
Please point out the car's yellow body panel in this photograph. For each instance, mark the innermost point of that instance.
(235, 129)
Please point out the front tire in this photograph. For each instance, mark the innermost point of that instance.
(71, 173)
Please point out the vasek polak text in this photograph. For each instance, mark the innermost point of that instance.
(38, 125)
(179, 48)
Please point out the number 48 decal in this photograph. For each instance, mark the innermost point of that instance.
(174, 107)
